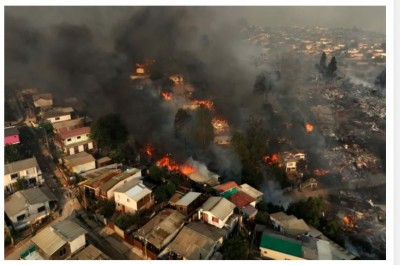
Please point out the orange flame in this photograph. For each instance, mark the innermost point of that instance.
(349, 222)
(309, 127)
(320, 172)
(187, 169)
(271, 160)
(172, 165)
(220, 125)
(205, 103)
(149, 150)
(166, 95)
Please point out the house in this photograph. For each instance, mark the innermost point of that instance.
(196, 241)
(74, 141)
(60, 240)
(91, 186)
(227, 189)
(158, 232)
(223, 139)
(27, 207)
(254, 193)
(290, 160)
(216, 211)
(58, 114)
(188, 203)
(249, 212)
(104, 161)
(241, 199)
(132, 197)
(90, 253)
(11, 136)
(68, 125)
(80, 162)
(108, 187)
(289, 224)
(27, 169)
(43, 101)
(279, 247)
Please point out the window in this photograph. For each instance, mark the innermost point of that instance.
(215, 219)
(20, 217)
(14, 176)
(69, 140)
(63, 251)
(78, 137)
(41, 209)
(57, 118)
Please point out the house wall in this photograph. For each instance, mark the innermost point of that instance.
(272, 254)
(12, 139)
(77, 244)
(85, 167)
(57, 256)
(77, 139)
(210, 216)
(122, 200)
(65, 117)
(33, 172)
(31, 213)
(80, 148)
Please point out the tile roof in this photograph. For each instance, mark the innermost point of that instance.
(281, 244)
(226, 186)
(20, 165)
(74, 132)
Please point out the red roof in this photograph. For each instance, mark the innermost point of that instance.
(226, 186)
(241, 199)
(75, 132)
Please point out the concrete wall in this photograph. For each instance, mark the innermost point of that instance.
(77, 244)
(122, 200)
(65, 117)
(210, 216)
(32, 173)
(31, 213)
(77, 139)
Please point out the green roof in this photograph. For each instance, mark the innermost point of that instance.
(281, 244)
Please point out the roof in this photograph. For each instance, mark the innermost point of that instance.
(20, 165)
(188, 198)
(226, 186)
(195, 239)
(241, 199)
(48, 241)
(176, 197)
(79, 159)
(161, 226)
(21, 199)
(249, 190)
(103, 160)
(219, 207)
(291, 224)
(56, 112)
(53, 237)
(90, 253)
(98, 181)
(11, 131)
(250, 210)
(137, 192)
(68, 229)
(68, 125)
(281, 244)
(116, 179)
(46, 96)
(128, 185)
(74, 132)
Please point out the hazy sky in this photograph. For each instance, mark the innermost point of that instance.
(368, 18)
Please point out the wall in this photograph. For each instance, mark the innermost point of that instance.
(218, 224)
(31, 213)
(121, 198)
(34, 173)
(84, 167)
(66, 117)
(56, 255)
(12, 139)
(77, 139)
(77, 244)
(272, 254)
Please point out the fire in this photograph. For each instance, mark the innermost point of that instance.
(349, 222)
(172, 165)
(219, 125)
(205, 103)
(309, 127)
(166, 95)
(149, 150)
(187, 169)
(320, 172)
(271, 160)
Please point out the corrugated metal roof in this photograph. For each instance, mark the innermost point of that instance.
(112, 182)
(138, 192)
(219, 207)
(48, 241)
(246, 188)
(188, 198)
(281, 244)
(68, 229)
(128, 185)
(79, 159)
(90, 253)
(20, 165)
(161, 226)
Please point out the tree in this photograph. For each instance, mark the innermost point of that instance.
(45, 128)
(311, 210)
(235, 248)
(108, 209)
(322, 61)
(16, 152)
(332, 66)
(164, 192)
(155, 174)
(203, 130)
(381, 79)
(262, 218)
(127, 220)
(20, 184)
(109, 132)
(7, 235)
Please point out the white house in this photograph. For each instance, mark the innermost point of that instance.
(133, 196)
(80, 162)
(216, 211)
(75, 140)
(60, 240)
(289, 224)
(108, 188)
(27, 207)
(27, 169)
(58, 114)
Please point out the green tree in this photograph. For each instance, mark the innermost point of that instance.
(127, 220)
(311, 210)
(20, 184)
(164, 192)
(45, 128)
(155, 174)
(108, 209)
(262, 218)
(109, 132)
(235, 248)
(16, 152)
(203, 130)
